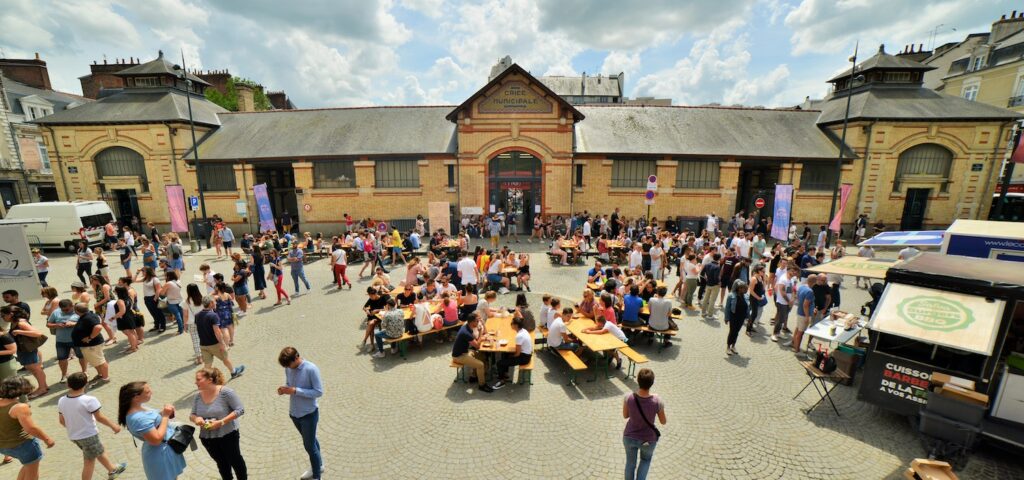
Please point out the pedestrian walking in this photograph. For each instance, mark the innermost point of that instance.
(171, 290)
(19, 434)
(339, 262)
(736, 312)
(259, 274)
(304, 388)
(212, 341)
(84, 262)
(641, 436)
(215, 410)
(78, 413)
(194, 305)
(295, 260)
(240, 285)
(87, 336)
(27, 338)
(153, 428)
(42, 265)
(276, 276)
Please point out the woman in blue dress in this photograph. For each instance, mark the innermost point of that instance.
(225, 307)
(153, 428)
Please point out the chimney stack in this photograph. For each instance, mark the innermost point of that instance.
(246, 102)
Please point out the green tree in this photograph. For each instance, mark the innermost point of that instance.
(229, 99)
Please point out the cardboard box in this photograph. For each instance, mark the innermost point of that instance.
(939, 379)
(962, 394)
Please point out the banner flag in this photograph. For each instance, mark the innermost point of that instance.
(783, 209)
(263, 206)
(176, 207)
(1018, 151)
(844, 195)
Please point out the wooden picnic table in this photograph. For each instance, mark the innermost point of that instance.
(568, 245)
(595, 287)
(501, 325)
(407, 311)
(510, 271)
(594, 341)
(615, 245)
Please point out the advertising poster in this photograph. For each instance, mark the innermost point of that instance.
(176, 207)
(844, 196)
(895, 384)
(263, 206)
(17, 270)
(783, 209)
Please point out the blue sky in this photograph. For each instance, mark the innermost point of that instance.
(327, 53)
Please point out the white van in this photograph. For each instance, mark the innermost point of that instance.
(68, 223)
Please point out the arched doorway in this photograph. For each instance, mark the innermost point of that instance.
(122, 162)
(514, 186)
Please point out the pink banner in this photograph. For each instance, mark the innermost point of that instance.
(844, 195)
(176, 206)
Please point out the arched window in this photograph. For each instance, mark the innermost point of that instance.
(122, 162)
(926, 163)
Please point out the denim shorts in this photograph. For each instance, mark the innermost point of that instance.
(27, 452)
(494, 278)
(64, 351)
(28, 358)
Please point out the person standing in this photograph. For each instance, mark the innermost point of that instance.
(295, 261)
(785, 297)
(304, 387)
(227, 237)
(758, 298)
(153, 428)
(18, 432)
(640, 436)
(805, 309)
(42, 266)
(87, 336)
(736, 309)
(521, 356)
(212, 343)
(63, 321)
(711, 276)
(339, 260)
(276, 275)
(171, 289)
(78, 413)
(25, 336)
(215, 410)
(84, 262)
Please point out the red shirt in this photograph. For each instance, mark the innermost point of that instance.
(609, 315)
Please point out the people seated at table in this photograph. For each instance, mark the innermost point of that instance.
(464, 340)
(406, 297)
(596, 275)
(545, 309)
(558, 334)
(556, 249)
(523, 311)
(603, 327)
(467, 301)
(660, 319)
(430, 291)
(381, 279)
(524, 272)
(554, 309)
(495, 276)
(521, 356)
(606, 308)
(374, 304)
(487, 307)
(392, 325)
(588, 304)
(632, 303)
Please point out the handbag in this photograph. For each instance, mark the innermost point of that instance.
(161, 303)
(182, 438)
(30, 344)
(657, 433)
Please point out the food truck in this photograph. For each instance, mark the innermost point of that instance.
(947, 347)
(985, 239)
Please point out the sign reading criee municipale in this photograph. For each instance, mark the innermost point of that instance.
(514, 97)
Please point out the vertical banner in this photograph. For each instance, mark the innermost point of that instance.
(1018, 151)
(176, 207)
(783, 209)
(844, 195)
(263, 207)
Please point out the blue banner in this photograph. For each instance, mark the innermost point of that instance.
(263, 206)
(783, 210)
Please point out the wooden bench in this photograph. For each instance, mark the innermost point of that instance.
(634, 358)
(543, 340)
(401, 341)
(662, 335)
(526, 372)
(574, 361)
(460, 373)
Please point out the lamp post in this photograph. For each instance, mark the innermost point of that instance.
(183, 75)
(842, 145)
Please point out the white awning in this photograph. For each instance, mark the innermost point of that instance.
(965, 322)
(857, 266)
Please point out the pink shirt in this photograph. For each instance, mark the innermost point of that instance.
(609, 315)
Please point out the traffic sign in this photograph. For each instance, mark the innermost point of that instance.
(652, 182)
(759, 203)
(649, 197)
(193, 203)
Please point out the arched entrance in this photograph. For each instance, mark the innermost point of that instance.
(117, 163)
(514, 186)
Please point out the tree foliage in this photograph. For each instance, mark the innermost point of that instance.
(229, 99)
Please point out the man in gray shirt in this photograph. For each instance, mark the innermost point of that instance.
(661, 308)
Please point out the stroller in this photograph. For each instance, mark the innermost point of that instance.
(875, 291)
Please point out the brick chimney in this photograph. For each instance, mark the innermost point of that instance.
(1006, 26)
(246, 103)
(31, 72)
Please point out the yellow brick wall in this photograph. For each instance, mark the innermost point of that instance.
(995, 85)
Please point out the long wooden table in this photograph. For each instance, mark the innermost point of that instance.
(597, 342)
(401, 288)
(433, 307)
(501, 325)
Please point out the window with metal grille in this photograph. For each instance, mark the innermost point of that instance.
(147, 82)
(697, 174)
(925, 160)
(397, 173)
(632, 173)
(334, 174)
(217, 177)
(578, 173)
(897, 77)
(453, 179)
(818, 176)
(122, 162)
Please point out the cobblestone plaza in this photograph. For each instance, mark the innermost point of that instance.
(728, 417)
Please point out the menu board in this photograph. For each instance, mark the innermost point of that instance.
(895, 383)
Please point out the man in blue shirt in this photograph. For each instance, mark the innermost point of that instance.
(461, 353)
(807, 261)
(302, 383)
(631, 305)
(62, 321)
(596, 274)
(805, 309)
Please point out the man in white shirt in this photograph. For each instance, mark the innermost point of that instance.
(521, 356)
(636, 257)
(822, 237)
(712, 224)
(467, 271)
(785, 288)
(605, 327)
(741, 245)
(558, 334)
(865, 252)
(908, 253)
(586, 232)
(340, 260)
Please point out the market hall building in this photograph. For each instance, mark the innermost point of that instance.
(916, 158)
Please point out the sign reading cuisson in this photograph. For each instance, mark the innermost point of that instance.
(514, 97)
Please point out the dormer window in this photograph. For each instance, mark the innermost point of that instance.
(147, 82)
(896, 77)
(977, 64)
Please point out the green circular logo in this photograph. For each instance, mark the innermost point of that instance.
(935, 313)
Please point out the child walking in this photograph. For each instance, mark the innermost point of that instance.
(78, 413)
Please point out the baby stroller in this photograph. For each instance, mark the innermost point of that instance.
(876, 294)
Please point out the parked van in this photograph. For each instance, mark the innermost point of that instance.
(69, 222)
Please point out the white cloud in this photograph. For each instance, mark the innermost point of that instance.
(430, 8)
(619, 61)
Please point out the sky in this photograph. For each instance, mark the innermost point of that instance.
(336, 53)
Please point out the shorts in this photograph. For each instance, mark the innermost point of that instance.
(93, 355)
(127, 265)
(228, 243)
(28, 358)
(27, 452)
(102, 271)
(494, 278)
(802, 323)
(241, 290)
(396, 249)
(64, 350)
(91, 446)
(209, 352)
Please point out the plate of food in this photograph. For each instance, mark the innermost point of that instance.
(502, 342)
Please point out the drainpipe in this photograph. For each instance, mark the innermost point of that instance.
(60, 164)
(864, 171)
(174, 156)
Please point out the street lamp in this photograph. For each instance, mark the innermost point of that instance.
(183, 75)
(854, 78)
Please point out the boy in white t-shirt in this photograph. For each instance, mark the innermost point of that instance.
(78, 413)
(544, 311)
(603, 326)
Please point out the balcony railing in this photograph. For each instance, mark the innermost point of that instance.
(1016, 101)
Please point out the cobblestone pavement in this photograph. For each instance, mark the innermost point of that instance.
(728, 417)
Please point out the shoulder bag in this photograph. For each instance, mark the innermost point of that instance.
(639, 408)
(182, 438)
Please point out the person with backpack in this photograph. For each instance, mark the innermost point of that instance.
(710, 274)
(641, 436)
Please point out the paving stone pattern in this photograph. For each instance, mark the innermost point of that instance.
(728, 417)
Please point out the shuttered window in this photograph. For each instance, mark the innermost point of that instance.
(697, 174)
(400, 173)
(818, 176)
(334, 174)
(122, 162)
(217, 177)
(632, 173)
(925, 160)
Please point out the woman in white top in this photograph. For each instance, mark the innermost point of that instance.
(129, 241)
(194, 305)
(172, 290)
(657, 253)
(150, 286)
(207, 273)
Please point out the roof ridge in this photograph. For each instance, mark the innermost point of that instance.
(371, 107)
(709, 107)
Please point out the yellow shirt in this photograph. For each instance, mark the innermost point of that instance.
(396, 238)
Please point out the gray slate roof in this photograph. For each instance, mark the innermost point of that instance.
(60, 100)
(884, 61)
(565, 86)
(139, 105)
(909, 104)
(158, 66)
(711, 131)
(331, 132)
